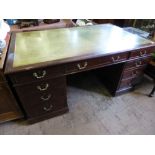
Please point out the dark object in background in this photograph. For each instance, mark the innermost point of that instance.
(150, 71)
(117, 22)
(27, 22)
(11, 21)
(51, 21)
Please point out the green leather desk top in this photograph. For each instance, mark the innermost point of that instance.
(57, 44)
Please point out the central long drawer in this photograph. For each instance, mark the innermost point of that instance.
(84, 65)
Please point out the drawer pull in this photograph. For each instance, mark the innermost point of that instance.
(115, 59)
(82, 67)
(43, 88)
(48, 109)
(134, 73)
(142, 54)
(139, 63)
(46, 98)
(39, 76)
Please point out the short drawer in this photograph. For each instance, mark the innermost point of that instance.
(94, 63)
(125, 84)
(130, 74)
(139, 63)
(58, 103)
(141, 53)
(36, 75)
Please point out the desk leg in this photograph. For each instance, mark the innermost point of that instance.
(153, 90)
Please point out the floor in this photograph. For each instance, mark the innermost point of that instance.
(94, 111)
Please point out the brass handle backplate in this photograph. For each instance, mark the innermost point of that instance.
(46, 98)
(43, 88)
(42, 75)
(115, 59)
(134, 73)
(49, 108)
(139, 63)
(80, 67)
(143, 53)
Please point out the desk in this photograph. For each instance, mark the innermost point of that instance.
(38, 63)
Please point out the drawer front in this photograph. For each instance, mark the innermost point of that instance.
(125, 84)
(38, 92)
(42, 97)
(94, 63)
(36, 75)
(130, 74)
(137, 63)
(9, 110)
(49, 107)
(141, 53)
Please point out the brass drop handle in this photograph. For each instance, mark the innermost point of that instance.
(80, 67)
(43, 88)
(46, 98)
(115, 59)
(142, 54)
(48, 109)
(39, 76)
(139, 63)
(134, 74)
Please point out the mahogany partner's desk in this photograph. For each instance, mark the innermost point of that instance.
(38, 62)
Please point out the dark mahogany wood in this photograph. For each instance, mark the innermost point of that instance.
(95, 63)
(35, 75)
(39, 118)
(130, 74)
(1, 76)
(125, 83)
(137, 63)
(43, 97)
(119, 65)
(9, 109)
(140, 53)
